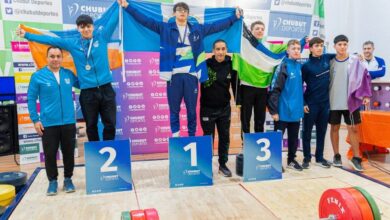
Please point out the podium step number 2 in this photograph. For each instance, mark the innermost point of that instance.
(107, 166)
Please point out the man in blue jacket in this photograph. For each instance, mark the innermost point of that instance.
(52, 85)
(375, 65)
(90, 55)
(182, 58)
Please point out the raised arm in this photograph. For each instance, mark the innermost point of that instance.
(220, 25)
(112, 23)
(43, 39)
(141, 18)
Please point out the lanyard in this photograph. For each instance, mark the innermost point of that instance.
(89, 49)
(182, 40)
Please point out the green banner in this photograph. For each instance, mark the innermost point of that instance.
(29, 148)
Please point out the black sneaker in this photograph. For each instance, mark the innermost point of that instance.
(294, 165)
(337, 160)
(324, 163)
(356, 163)
(225, 171)
(306, 164)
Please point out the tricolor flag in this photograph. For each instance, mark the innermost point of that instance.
(139, 38)
(39, 51)
(257, 60)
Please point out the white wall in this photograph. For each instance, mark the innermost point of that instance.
(360, 20)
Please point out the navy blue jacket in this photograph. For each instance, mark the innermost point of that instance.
(316, 75)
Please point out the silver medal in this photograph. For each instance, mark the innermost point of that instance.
(87, 67)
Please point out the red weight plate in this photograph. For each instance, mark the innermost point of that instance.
(137, 215)
(340, 204)
(364, 206)
(151, 214)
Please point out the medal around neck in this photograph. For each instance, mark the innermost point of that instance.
(88, 67)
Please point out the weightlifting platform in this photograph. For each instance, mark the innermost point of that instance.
(296, 196)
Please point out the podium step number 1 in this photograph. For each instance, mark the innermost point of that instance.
(190, 161)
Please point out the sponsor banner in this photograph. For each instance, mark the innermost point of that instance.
(300, 6)
(252, 15)
(21, 87)
(249, 4)
(26, 129)
(20, 46)
(74, 8)
(22, 77)
(22, 108)
(289, 25)
(24, 119)
(315, 26)
(29, 136)
(29, 158)
(49, 11)
(21, 98)
(29, 148)
(143, 105)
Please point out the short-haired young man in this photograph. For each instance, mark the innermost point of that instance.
(90, 56)
(181, 57)
(285, 102)
(350, 87)
(254, 98)
(316, 75)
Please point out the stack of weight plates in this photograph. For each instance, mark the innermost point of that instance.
(348, 203)
(147, 214)
(7, 194)
(17, 179)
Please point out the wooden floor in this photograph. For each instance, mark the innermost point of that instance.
(7, 163)
(228, 198)
(296, 196)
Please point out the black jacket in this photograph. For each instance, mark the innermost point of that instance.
(215, 91)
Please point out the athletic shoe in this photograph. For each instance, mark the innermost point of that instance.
(52, 189)
(306, 164)
(68, 185)
(337, 160)
(324, 163)
(356, 163)
(294, 165)
(225, 170)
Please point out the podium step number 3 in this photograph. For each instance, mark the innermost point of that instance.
(262, 156)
